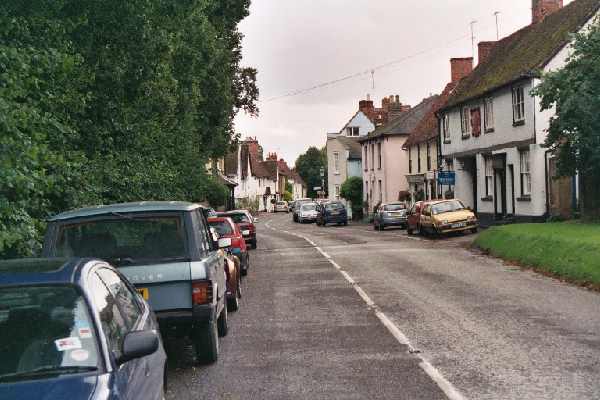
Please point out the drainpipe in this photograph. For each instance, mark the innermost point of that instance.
(547, 183)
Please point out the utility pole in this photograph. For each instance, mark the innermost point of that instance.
(497, 25)
(373, 78)
(473, 37)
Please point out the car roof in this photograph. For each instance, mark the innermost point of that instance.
(233, 212)
(40, 270)
(141, 206)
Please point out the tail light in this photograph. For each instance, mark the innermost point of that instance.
(202, 292)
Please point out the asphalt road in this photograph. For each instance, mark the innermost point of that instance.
(379, 315)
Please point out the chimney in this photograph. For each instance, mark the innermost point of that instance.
(366, 106)
(396, 107)
(272, 157)
(460, 68)
(484, 49)
(542, 8)
(385, 104)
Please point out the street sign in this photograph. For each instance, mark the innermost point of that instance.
(446, 178)
(317, 188)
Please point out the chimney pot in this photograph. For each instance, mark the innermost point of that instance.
(460, 68)
(542, 8)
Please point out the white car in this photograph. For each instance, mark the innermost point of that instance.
(281, 206)
(308, 213)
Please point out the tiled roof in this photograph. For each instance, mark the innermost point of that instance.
(352, 145)
(405, 123)
(427, 129)
(525, 52)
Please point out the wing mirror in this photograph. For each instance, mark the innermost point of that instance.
(224, 243)
(255, 220)
(139, 344)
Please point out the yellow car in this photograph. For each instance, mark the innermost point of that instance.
(445, 216)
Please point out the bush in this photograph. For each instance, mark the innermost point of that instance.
(352, 190)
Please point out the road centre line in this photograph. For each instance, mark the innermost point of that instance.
(436, 376)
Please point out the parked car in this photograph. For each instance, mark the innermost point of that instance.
(333, 212)
(296, 207)
(167, 251)
(76, 329)
(392, 214)
(445, 216)
(226, 228)
(413, 218)
(246, 222)
(308, 213)
(281, 206)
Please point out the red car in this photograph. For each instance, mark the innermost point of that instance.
(226, 228)
(414, 217)
(245, 221)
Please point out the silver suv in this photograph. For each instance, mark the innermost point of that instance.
(167, 250)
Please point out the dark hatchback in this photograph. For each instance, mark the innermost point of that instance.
(76, 330)
(333, 212)
(245, 221)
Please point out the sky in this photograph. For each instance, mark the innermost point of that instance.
(300, 44)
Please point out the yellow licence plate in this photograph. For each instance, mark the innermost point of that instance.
(144, 292)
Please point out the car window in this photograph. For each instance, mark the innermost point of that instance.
(394, 207)
(238, 218)
(309, 207)
(45, 328)
(223, 228)
(126, 300)
(334, 206)
(113, 323)
(136, 238)
(447, 206)
(205, 234)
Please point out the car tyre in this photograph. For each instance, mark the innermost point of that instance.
(233, 303)
(253, 244)
(409, 230)
(382, 227)
(206, 343)
(222, 322)
(474, 231)
(345, 223)
(244, 271)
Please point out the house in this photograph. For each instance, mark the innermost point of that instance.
(422, 144)
(492, 128)
(385, 163)
(216, 168)
(298, 186)
(257, 181)
(344, 157)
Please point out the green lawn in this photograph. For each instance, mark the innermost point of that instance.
(568, 250)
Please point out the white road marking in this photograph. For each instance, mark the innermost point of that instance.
(436, 376)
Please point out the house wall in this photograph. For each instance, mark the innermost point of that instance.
(361, 121)
(428, 173)
(354, 168)
(336, 178)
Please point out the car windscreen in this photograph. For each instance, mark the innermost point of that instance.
(334, 206)
(447, 206)
(45, 331)
(239, 218)
(282, 203)
(309, 207)
(222, 227)
(136, 239)
(394, 207)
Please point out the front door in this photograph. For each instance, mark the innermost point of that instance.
(500, 185)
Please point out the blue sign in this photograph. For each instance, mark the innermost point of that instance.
(446, 178)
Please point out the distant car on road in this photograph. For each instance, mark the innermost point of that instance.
(445, 216)
(308, 213)
(167, 250)
(332, 212)
(226, 228)
(295, 209)
(76, 329)
(392, 214)
(281, 206)
(246, 222)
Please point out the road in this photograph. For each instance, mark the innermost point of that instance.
(351, 313)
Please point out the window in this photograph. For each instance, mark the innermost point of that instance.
(372, 156)
(410, 169)
(525, 174)
(446, 127)
(418, 158)
(366, 157)
(489, 176)
(352, 131)
(465, 122)
(475, 121)
(336, 162)
(518, 98)
(488, 115)
(380, 192)
(126, 301)
(379, 155)
(428, 156)
(367, 190)
(337, 192)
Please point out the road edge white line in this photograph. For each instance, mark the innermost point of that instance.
(436, 376)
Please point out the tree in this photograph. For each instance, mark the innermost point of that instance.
(309, 166)
(574, 133)
(352, 190)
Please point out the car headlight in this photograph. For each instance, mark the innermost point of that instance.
(471, 218)
(445, 222)
(246, 233)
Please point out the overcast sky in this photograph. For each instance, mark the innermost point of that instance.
(298, 44)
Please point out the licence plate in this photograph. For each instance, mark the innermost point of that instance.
(144, 292)
(459, 225)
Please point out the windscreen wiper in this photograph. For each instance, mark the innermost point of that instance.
(46, 371)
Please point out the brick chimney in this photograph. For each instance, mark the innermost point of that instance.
(396, 108)
(272, 157)
(366, 106)
(484, 49)
(385, 104)
(542, 8)
(460, 68)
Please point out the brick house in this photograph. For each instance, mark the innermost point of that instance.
(492, 129)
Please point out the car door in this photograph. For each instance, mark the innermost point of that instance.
(426, 220)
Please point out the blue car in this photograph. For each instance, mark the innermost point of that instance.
(74, 330)
(332, 212)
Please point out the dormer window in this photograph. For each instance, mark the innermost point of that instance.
(352, 131)
(518, 101)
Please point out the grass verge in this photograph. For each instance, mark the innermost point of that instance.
(569, 251)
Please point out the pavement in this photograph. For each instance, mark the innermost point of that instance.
(352, 313)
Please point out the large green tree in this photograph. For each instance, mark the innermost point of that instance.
(309, 166)
(109, 100)
(574, 133)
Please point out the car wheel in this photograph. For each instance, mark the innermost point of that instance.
(382, 227)
(244, 271)
(253, 244)
(222, 322)
(409, 230)
(206, 343)
(345, 223)
(233, 303)
(474, 230)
